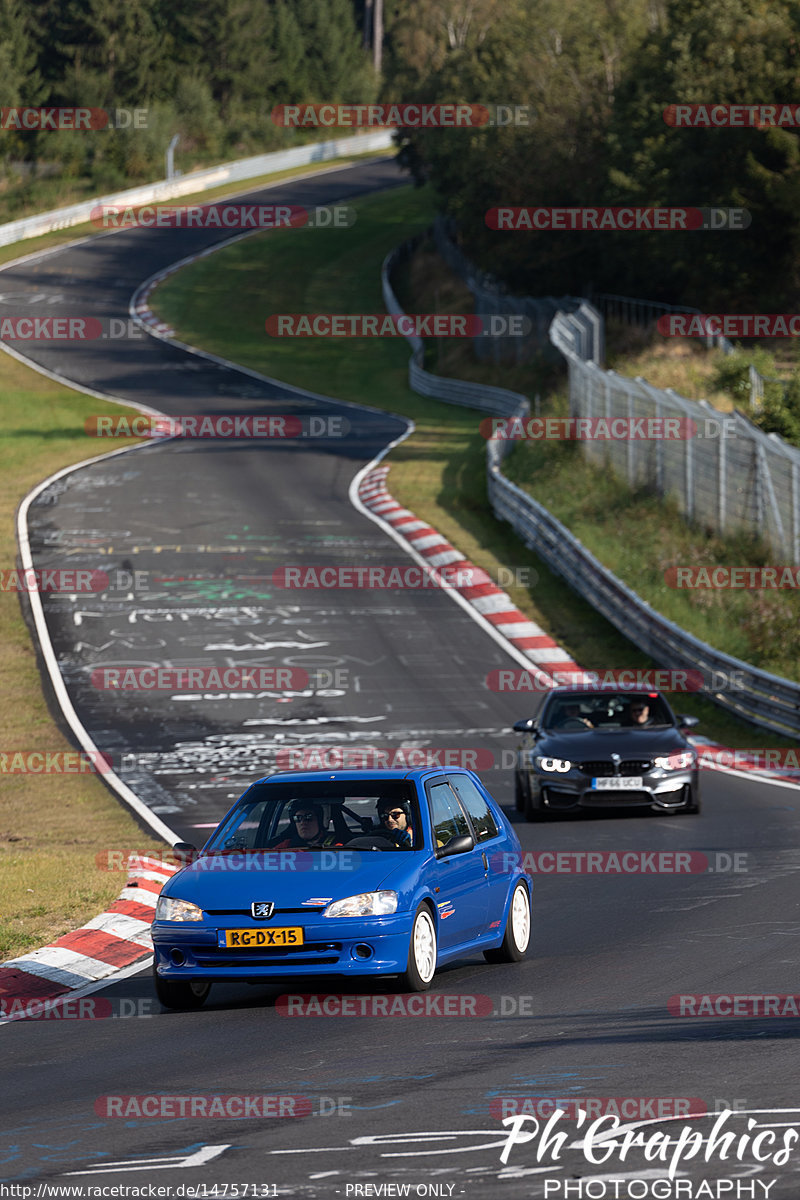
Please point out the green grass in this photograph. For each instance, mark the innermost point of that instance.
(51, 827)
(221, 302)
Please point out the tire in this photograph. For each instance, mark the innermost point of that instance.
(421, 953)
(180, 994)
(693, 804)
(532, 811)
(519, 793)
(518, 929)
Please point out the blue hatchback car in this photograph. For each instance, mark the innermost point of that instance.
(348, 873)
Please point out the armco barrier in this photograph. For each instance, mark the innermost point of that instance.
(498, 401)
(756, 696)
(198, 181)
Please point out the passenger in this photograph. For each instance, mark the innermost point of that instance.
(395, 819)
(307, 829)
(639, 713)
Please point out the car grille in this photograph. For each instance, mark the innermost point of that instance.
(311, 954)
(245, 912)
(629, 766)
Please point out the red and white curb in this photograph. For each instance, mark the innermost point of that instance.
(489, 600)
(119, 938)
(141, 308)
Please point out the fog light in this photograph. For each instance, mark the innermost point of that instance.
(177, 957)
(362, 950)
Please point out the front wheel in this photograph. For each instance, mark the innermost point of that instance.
(421, 953)
(518, 929)
(692, 800)
(533, 811)
(181, 994)
(519, 793)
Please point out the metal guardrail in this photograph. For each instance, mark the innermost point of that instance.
(756, 696)
(197, 181)
(498, 401)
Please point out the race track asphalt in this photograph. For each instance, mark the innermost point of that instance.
(585, 1016)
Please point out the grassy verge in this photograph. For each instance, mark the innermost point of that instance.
(221, 302)
(51, 826)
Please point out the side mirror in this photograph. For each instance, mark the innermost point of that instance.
(456, 845)
(528, 726)
(186, 852)
(685, 721)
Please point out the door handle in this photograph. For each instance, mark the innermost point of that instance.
(485, 862)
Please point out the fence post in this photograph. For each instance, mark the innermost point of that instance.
(689, 479)
(722, 481)
(631, 465)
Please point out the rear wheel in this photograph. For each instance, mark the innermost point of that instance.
(181, 994)
(421, 953)
(518, 929)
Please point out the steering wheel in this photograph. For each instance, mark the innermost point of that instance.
(368, 840)
(573, 723)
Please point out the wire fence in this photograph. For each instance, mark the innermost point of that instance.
(757, 696)
(724, 472)
(491, 296)
(728, 476)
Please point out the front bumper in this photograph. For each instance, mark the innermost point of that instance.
(573, 790)
(331, 946)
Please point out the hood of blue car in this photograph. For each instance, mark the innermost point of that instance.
(234, 881)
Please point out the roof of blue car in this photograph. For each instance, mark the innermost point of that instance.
(415, 773)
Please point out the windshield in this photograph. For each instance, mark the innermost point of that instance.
(308, 815)
(579, 712)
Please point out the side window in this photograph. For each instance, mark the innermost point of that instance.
(479, 812)
(446, 816)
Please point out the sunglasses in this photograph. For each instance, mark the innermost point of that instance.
(395, 814)
(310, 816)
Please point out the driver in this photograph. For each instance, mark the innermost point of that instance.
(395, 819)
(307, 828)
(572, 712)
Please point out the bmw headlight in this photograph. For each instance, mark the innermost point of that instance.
(680, 761)
(368, 904)
(553, 764)
(170, 909)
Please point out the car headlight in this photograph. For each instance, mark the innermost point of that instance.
(553, 764)
(676, 762)
(368, 904)
(170, 909)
